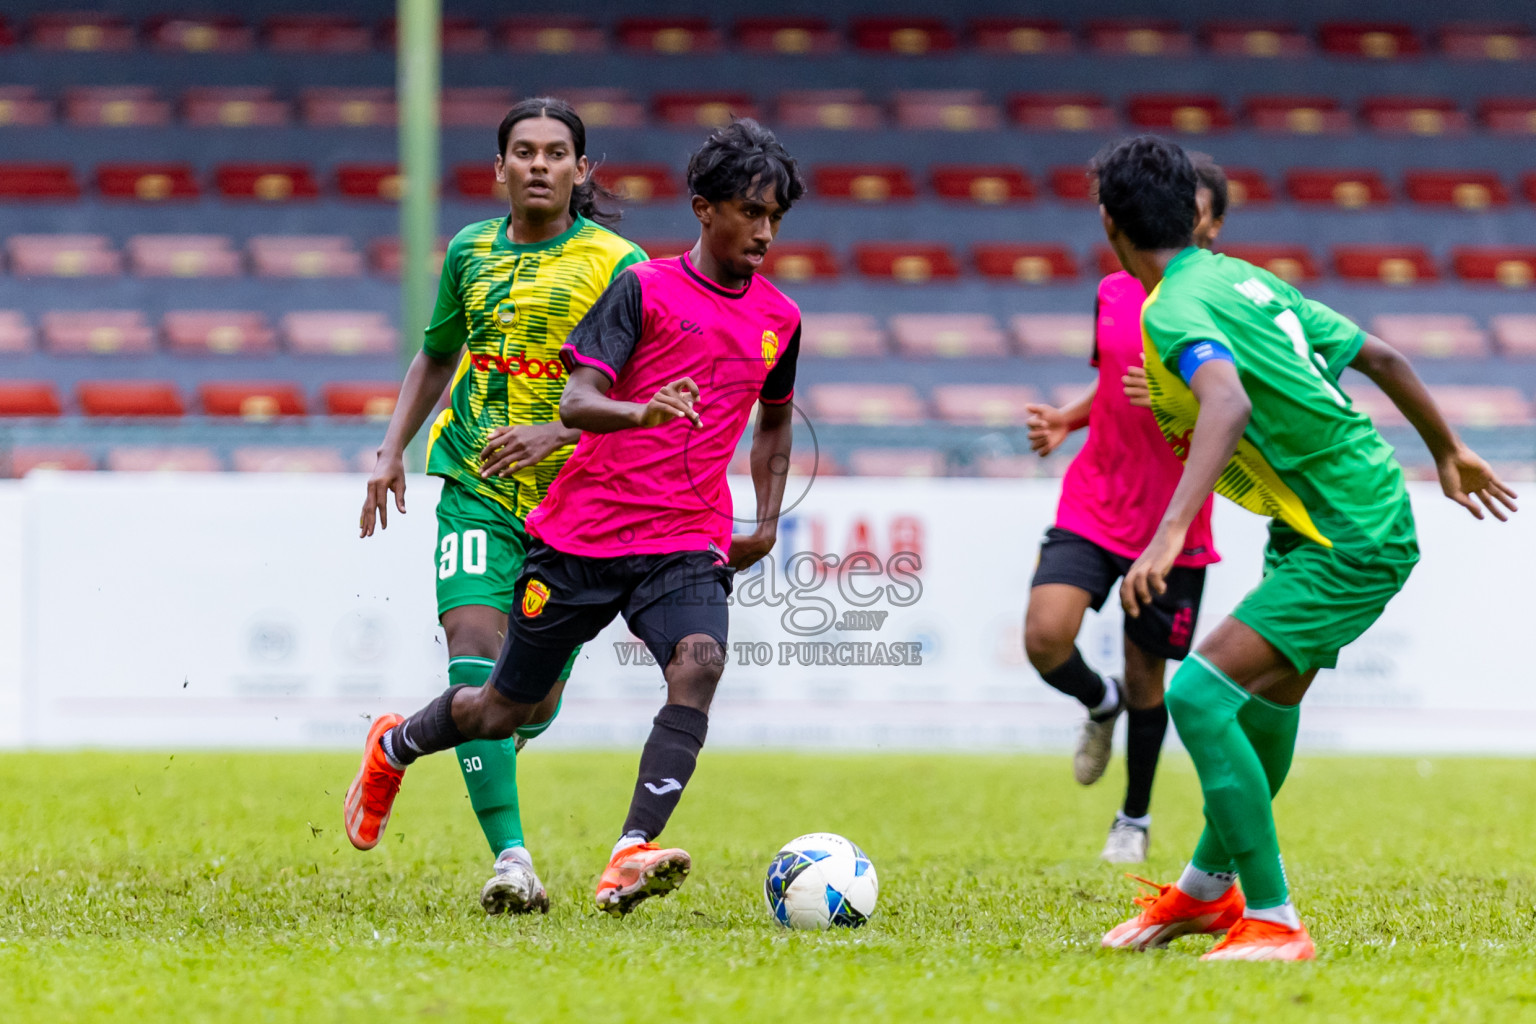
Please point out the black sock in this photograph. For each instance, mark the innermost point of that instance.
(1144, 729)
(426, 732)
(1074, 678)
(666, 765)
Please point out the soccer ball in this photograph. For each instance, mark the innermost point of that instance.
(821, 880)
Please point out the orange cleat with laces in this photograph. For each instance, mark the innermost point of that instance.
(1252, 939)
(637, 873)
(372, 793)
(1171, 913)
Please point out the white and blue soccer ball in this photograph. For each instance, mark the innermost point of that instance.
(820, 881)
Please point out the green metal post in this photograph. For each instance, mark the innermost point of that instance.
(418, 71)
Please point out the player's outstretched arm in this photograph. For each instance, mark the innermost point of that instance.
(1049, 426)
(1462, 471)
(1224, 412)
(585, 405)
(428, 375)
(771, 439)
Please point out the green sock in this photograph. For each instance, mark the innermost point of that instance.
(1205, 706)
(533, 729)
(1271, 728)
(490, 768)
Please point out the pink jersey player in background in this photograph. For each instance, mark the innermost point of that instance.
(1112, 498)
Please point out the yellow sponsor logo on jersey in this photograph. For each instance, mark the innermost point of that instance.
(534, 596)
(770, 348)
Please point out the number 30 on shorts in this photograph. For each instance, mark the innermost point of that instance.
(472, 546)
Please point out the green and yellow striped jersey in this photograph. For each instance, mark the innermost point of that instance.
(512, 306)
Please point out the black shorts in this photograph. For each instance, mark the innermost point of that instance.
(561, 601)
(1164, 630)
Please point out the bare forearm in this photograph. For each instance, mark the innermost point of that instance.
(1392, 372)
(771, 442)
(584, 409)
(423, 386)
(1224, 414)
(1076, 411)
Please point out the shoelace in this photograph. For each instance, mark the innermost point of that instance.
(1146, 900)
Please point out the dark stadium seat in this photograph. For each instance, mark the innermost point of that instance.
(184, 256)
(1246, 185)
(385, 258)
(786, 35)
(1501, 42)
(639, 183)
(474, 106)
(377, 182)
(338, 333)
(831, 109)
(668, 36)
(316, 33)
(1473, 405)
(1070, 183)
(1432, 336)
(333, 107)
(1024, 262)
(910, 36)
(1190, 113)
(703, 109)
(181, 458)
(1139, 37)
(16, 335)
(990, 184)
(1347, 188)
(1383, 264)
(666, 248)
(551, 33)
(246, 106)
(1020, 35)
(23, 459)
(218, 332)
(373, 399)
(841, 336)
(1054, 334)
(304, 256)
(872, 404)
(605, 108)
(199, 34)
(800, 261)
(38, 181)
(82, 32)
(129, 398)
(97, 332)
(898, 462)
(63, 256)
(29, 398)
(272, 183)
(1414, 115)
(251, 399)
(866, 183)
(116, 106)
(7, 33)
(907, 262)
(1510, 266)
(949, 110)
(1293, 263)
(1515, 334)
(948, 336)
(147, 182)
(984, 405)
(1255, 39)
(1061, 112)
(1376, 40)
(1508, 115)
(20, 105)
(1298, 115)
(268, 459)
(458, 34)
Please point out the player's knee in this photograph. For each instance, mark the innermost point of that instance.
(1046, 646)
(694, 672)
(473, 639)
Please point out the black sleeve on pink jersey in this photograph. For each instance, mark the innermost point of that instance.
(1094, 362)
(608, 334)
(780, 385)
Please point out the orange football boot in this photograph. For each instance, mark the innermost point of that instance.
(1252, 939)
(637, 873)
(372, 793)
(1171, 913)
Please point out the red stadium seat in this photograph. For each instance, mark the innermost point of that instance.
(20, 105)
(16, 335)
(1106, 261)
(1009, 467)
(833, 109)
(1139, 37)
(1071, 183)
(38, 181)
(1515, 334)
(990, 184)
(950, 110)
(907, 262)
(545, 33)
(841, 335)
(475, 106)
(1510, 266)
(800, 261)
(908, 36)
(184, 256)
(897, 462)
(129, 398)
(1377, 40)
(1528, 186)
(1470, 190)
(82, 32)
(786, 35)
(317, 33)
(233, 107)
(1432, 336)
(1482, 406)
(163, 459)
(871, 404)
(1414, 115)
(26, 458)
(1023, 262)
(329, 107)
(1191, 113)
(218, 332)
(478, 181)
(63, 256)
(373, 399)
(264, 459)
(97, 332)
(1246, 185)
(984, 405)
(1061, 112)
(338, 333)
(1054, 334)
(1291, 263)
(1508, 115)
(380, 182)
(116, 106)
(29, 398)
(1298, 115)
(1020, 35)
(147, 182)
(948, 336)
(1349, 189)
(251, 399)
(304, 256)
(7, 34)
(666, 248)
(639, 183)
(458, 35)
(385, 258)
(703, 109)
(866, 183)
(216, 34)
(669, 36)
(1383, 264)
(272, 183)
(1487, 42)
(1255, 39)
(605, 108)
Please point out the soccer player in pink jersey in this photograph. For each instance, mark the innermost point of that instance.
(1112, 499)
(665, 369)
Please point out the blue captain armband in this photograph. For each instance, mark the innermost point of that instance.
(1200, 353)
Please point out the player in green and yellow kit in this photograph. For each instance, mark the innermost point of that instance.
(512, 288)
(1243, 376)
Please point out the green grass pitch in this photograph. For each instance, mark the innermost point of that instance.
(143, 887)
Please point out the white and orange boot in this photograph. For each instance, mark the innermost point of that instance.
(372, 794)
(1253, 939)
(1171, 913)
(636, 873)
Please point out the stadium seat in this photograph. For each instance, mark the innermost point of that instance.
(1190, 113)
(1508, 115)
(841, 335)
(265, 459)
(211, 34)
(1515, 334)
(1054, 334)
(1298, 115)
(147, 182)
(218, 332)
(24, 459)
(668, 248)
(375, 399)
(16, 335)
(38, 181)
(1414, 115)
(832, 109)
(1255, 39)
(866, 183)
(703, 109)
(545, 33)
(272, 183)
(668, 36)
(1106, 261)
(184, 256)
(950, 110)
(908, 262)
(331, 107)
(908, 36)
(786, 35)
(384, 255)
(182, 458)
(1528, 187)
(1246, 185)
(1292, 263)
(304, 256)
(63, 256)
(477, 181)
(1376, 40)
(1383, 264)
(129, 398)
(984, 405)
(1472, 405)
(800, 261)
(21, 106)
(1071, 183)
(948, 336)
(29, 398)
(7, 34)
(116, 106)
(898, 462)
(1021, 36)
(1061, 112)
(1030, 264)
(605, 108)
(251, 106)
(1139, 37)
(97, 332)
(474, 106)
(457, 35)
(1507, 42)
(82, 32)
(990, 184)
(871, 404)
(317, 33)
(380, 182)
(1369, 399)
(1348, 189)
(338, 333)
(639, 183)
(1432, 336)
(1470, 190)
(255, 400)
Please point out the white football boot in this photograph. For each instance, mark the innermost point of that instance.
(1095, 742)
(514, 888)
(1127, 843)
